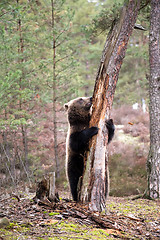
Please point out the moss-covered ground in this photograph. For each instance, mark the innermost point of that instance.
(129, 219)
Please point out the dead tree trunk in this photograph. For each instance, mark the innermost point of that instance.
(153, 163)
(46, 190)
(95, 180)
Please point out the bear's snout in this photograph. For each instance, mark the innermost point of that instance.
(88, 105)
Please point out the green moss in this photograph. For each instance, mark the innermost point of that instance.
(11, 226)
(53, 213)
(81, 232)
(9, 234)
(67, 230)
(71, 227)
(139, 208)
(99, 232)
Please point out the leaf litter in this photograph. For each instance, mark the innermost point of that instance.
(123, 219)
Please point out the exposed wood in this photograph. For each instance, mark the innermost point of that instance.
(46, 192)
(42, 190)
(111, 61)
(52, 188)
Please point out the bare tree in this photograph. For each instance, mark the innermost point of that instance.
(54, 88)
(62, 70)
(95, 181)
(153, 163)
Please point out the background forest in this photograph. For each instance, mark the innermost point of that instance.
(50, 53)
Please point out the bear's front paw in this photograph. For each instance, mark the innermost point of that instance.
(94, 130)
(109, 123)
(111, 128)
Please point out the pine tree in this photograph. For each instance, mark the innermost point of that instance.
(153, 162)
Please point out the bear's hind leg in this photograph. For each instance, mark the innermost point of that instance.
(75, 171)
(73, 181)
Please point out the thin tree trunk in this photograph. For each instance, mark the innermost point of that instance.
(7, 148)
(25, 146)
(21, 60)
(114, 52)
(154, 90)
(54, 96)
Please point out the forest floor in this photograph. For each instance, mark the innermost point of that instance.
(124, 218)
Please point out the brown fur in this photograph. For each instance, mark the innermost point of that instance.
(78, 111)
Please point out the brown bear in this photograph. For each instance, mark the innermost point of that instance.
(78, 138)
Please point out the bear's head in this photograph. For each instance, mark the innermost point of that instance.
(78, 110)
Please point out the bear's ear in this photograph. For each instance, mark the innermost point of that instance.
(66, 106)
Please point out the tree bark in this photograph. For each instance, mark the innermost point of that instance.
(153, 163)
(54, 86)
(95, 181)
